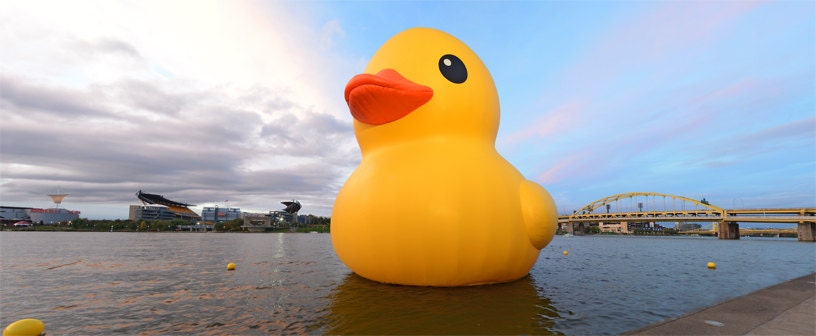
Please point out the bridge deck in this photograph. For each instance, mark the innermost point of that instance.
(753, 215)
(776, 219)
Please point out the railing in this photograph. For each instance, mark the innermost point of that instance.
(788, 215)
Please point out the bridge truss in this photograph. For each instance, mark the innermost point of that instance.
(648, 205)
(642, 207)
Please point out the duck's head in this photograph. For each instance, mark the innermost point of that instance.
(423, 83)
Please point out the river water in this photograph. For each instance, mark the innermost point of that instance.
(101, 283)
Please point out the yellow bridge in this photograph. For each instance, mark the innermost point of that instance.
(651, 207)
(747, 232)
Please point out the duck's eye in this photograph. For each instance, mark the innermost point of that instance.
(453, 69)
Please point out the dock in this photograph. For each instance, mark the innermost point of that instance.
(788, 308)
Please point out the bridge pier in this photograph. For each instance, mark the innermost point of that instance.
(728, 230)
(577, 229)
(806, 231)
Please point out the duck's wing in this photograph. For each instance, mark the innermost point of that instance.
(539, 213)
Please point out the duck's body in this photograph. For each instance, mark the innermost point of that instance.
(432, 202)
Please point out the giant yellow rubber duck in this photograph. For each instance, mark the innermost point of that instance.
(432, 202)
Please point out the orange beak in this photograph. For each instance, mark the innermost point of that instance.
(384, 97)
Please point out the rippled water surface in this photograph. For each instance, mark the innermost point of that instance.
(177, 283)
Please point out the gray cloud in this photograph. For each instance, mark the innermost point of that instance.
(47, 100)
(109, 50)
(117, 47)
(104, 143)
(104, 108)
(146, 96)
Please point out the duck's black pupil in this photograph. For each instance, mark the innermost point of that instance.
(453, 69)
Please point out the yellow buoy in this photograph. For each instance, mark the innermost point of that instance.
(565, 252)
(25, 327)
(230, 267)
(712, 265)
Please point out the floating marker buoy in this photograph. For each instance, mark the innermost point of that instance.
(712, 265)
(230, 267)
(25, 327)
(565, 252)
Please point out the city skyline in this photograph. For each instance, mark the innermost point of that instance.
(206, 101)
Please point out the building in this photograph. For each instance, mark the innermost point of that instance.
(216, 214)
(615, 227)
(9, 214)
(258, 222)
(276, 219)
(48, 216)
(646, 226)
(36, 215)
(52, 215)
(150, 212)
(688, 226)
(178, 209)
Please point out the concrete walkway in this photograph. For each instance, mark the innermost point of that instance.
(788, 308)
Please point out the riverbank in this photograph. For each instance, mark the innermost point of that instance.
(783, 309)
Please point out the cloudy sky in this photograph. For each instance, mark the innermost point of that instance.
(240, 103)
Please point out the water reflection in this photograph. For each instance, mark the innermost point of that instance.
(361, 306)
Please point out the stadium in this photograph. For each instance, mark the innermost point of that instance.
(167, 209)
